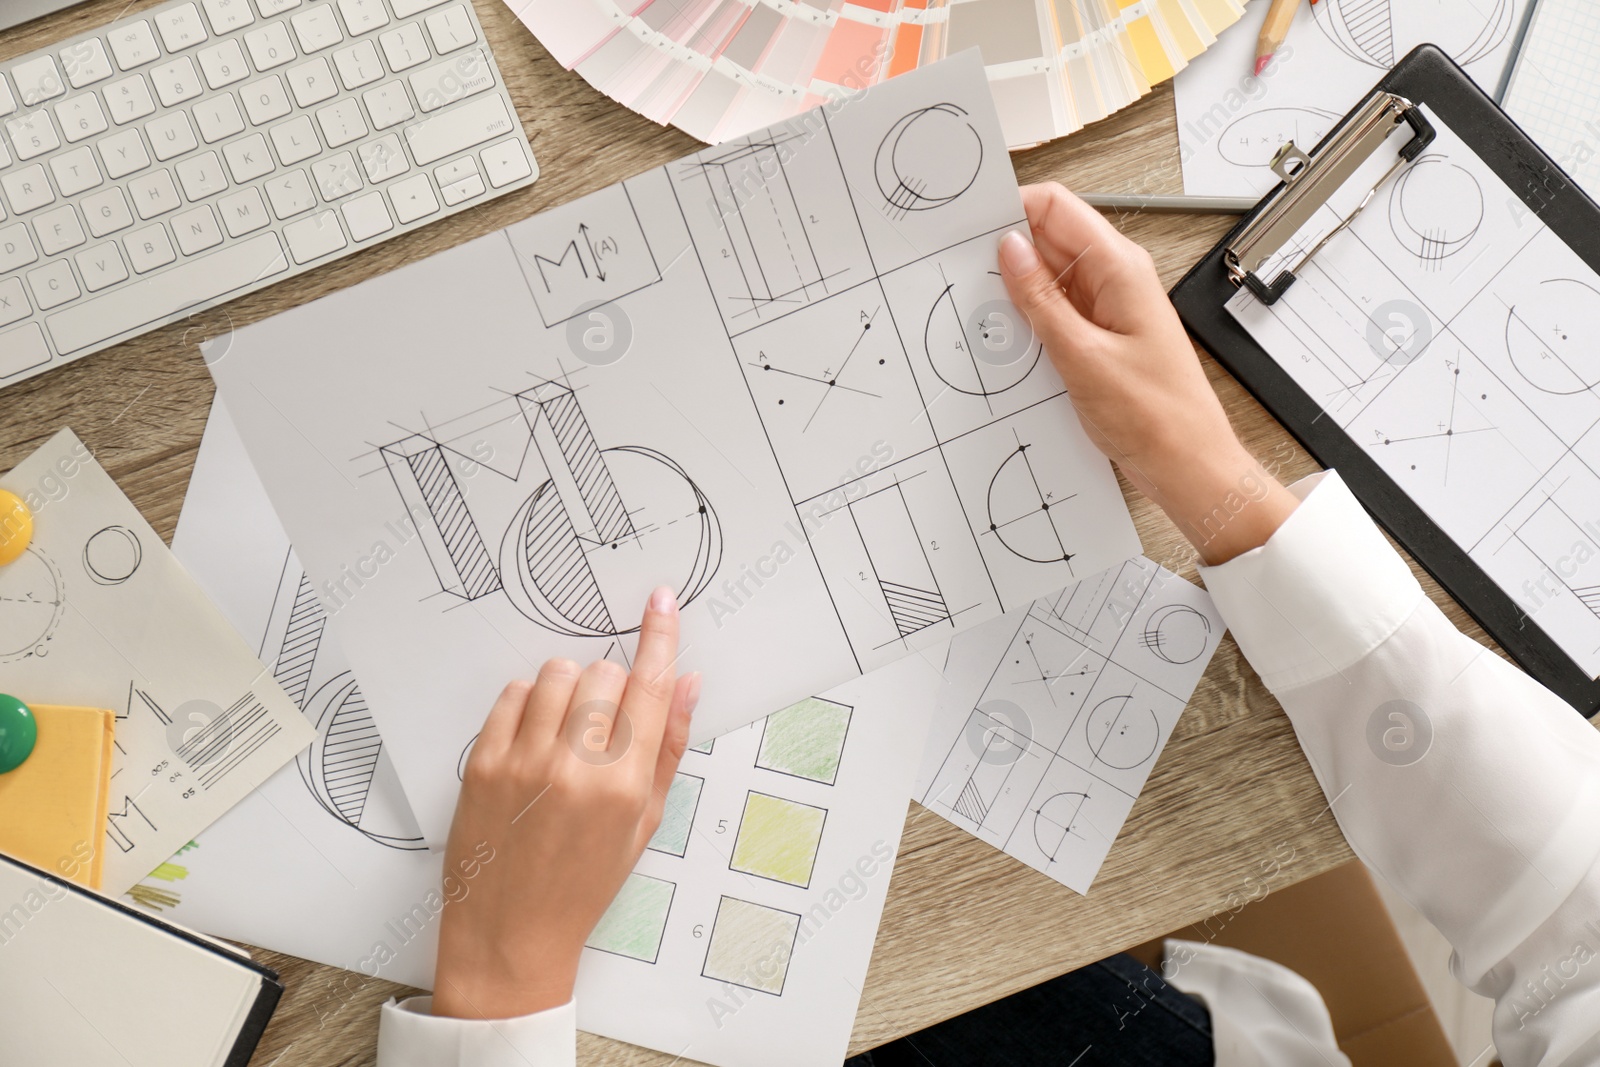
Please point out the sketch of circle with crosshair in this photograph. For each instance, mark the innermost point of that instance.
(1177, 633)
(1435, 209)
(928, 158)
(1553, 337)
(1121, 735)
(581, 554)
(31, 605)
(1055, 820)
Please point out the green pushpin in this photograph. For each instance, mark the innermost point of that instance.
(18, 732)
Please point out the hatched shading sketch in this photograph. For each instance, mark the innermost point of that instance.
(1056, 715)
(1379, 32)
(1435, 209)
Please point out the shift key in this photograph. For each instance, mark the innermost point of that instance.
(445, 133)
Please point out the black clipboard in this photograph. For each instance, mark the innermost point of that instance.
(267, 997)
(1426, 76)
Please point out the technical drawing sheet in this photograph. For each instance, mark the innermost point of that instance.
(780, 374)
(1056, 714)
(1230, 123)
(1455, 337)
(97, 612)
(742, 937)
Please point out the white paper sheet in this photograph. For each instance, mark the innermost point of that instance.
(1453, 335)
(98, 613)
(1230, 123)
(328, 873)
(807, 404)
(1055, 716)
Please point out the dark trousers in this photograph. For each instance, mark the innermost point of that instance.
(1115, 1013)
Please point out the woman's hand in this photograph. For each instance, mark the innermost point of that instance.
(1093, 297)
(562, 792)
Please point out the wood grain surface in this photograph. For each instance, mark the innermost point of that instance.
(1230, 812)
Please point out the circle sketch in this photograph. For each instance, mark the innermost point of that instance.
(963, 353)
(342, 767)
(927, 159)
(112, 555)
(1435, 209)
(1553, 337)
(1120, 735)
(31, 605)
(1052, 822)
(1177, 633)
(1379, 33)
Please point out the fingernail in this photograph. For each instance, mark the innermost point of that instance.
(691, 696)
(664, 600)
(1017, 254)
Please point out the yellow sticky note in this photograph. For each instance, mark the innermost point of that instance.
(53, 806)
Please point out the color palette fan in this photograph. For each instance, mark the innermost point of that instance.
(718, 69)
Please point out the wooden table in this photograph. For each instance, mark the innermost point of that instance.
(1231, 812)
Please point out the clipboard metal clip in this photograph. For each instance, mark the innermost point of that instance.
(1308, 182)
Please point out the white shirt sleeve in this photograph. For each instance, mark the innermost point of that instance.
(1471, 788)
(410, 1035)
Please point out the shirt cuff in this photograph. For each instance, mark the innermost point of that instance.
(410, 1035)
(1325, 590)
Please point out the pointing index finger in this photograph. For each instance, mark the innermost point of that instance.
(650, 685)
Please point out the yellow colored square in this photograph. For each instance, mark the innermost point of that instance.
(778, 839)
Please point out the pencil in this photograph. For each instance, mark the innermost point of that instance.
(1274, 31)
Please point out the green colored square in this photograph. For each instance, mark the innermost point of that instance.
(806, 740)
(636, 920)
(778, 839)
(677, 816)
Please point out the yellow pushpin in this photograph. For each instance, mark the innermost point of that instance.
(16, 527)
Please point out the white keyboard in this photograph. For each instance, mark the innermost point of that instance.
(206, 148)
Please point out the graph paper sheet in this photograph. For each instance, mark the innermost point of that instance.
(1554, 92)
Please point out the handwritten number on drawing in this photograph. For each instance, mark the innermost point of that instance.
(700, 930)
(934, 545)
(722, 826)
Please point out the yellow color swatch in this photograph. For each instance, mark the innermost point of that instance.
(778, 839)
(53, 807)
(1147, 46)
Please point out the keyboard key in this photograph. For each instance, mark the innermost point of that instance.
(367, 217)
(38, 80)
(201, 176)
(218, 117)
(291, 194)
(342, 123)
(53, 285)
(269, 46)
(16, 247)
(228, 15)
(129, 99)
(404, 47)
(450, 29)
(101, 266)
(76, 171)
(8, 103)
(148, 249)
(27, 189)
(413, 199)
(505, 163)
(196, 230)
(180, 27)
(243, 212)
(80, 117)
(336, 176)
(13, 302)
(223, 63)
(123, 153)
(383, 159)
(314, 237)
(58, 230)
(404, 9)
(33, 134)
(276, 7)
(106, 212)
(312, 82)
(176, 81)
(455, 79)
(154, 194)
(86, 62)
(134, 45)
(195, 281)
(248, 158)
(363, 16)
(465, 189)
(23, 349)
(455, 170)
(265, 100)
(171, 135)
(317, 28)
(447, 132)
(389, 105)
(295, 140)
(358, 65)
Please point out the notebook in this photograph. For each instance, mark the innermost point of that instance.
(53, 807)
(1553, 91)
(87, 981)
